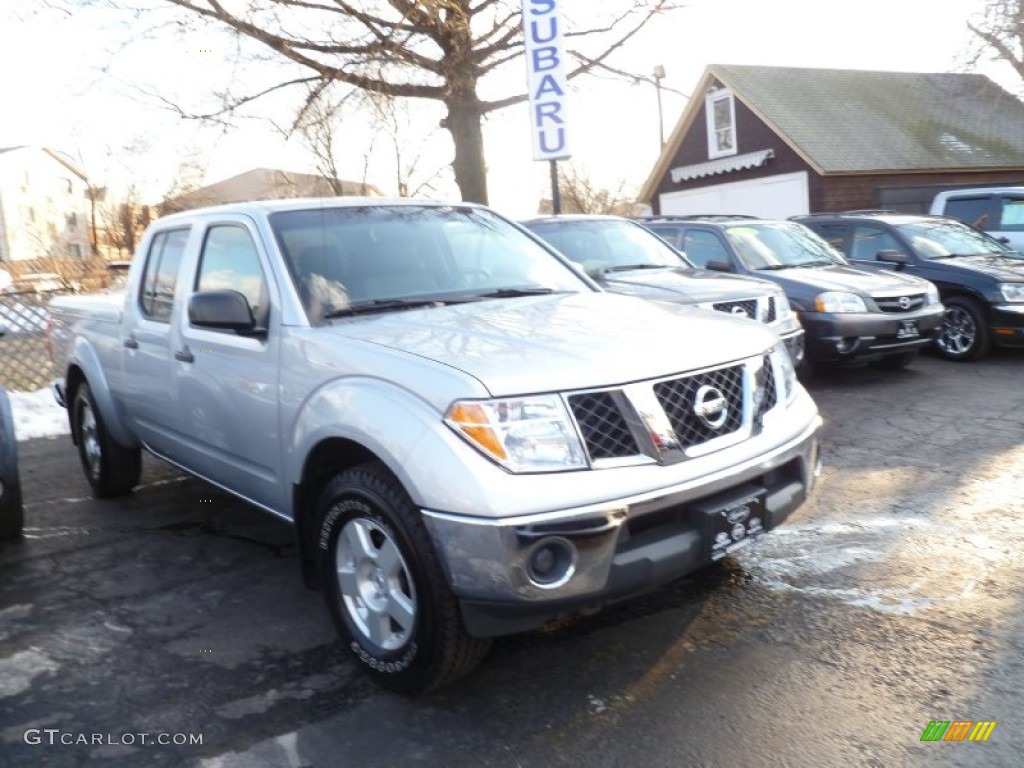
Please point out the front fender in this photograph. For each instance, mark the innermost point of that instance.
(85, 357)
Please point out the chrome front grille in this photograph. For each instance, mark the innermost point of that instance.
(671, 419)
(769, 311)
(679, 398)
(907, 303)
(746, 308)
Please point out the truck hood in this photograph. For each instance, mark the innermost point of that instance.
(844, 278)
(999, 267)
(687, 286)
(563, 341)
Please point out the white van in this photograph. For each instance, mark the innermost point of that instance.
(999, 211)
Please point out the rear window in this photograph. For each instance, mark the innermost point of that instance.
(160, 280)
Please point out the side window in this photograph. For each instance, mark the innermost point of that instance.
(230, 261)
(720, 113)
(160, 280)
(671, 235)
(976, 211)
(833, 234)
(1012, 215)
(701, 246)
(868, 241)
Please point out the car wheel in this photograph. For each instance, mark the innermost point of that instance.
(895, 362)
(110, 468)
(964, 335)
(384, 585)
(12, 516)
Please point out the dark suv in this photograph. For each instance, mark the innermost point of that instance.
(850, 315)
(980, 280)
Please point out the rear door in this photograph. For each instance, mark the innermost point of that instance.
(226, 383)
(148, 359)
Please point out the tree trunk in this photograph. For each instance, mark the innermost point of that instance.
(463, 122)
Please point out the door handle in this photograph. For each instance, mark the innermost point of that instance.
(185, 355)
(131, 343)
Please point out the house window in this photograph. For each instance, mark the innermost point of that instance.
(76, 251)
(721, 119)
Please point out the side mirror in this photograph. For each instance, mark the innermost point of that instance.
(718, 266)
(221, 310)
(892, 257)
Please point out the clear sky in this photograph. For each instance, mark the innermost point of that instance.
(70, 83)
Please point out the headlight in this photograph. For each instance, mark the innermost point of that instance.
(839, 301)
(782, 308)
(931, 296)
(1012, 291)
(783, 363)
(523, 434)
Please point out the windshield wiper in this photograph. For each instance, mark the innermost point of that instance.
(387, 305)
(628, 267)
(512, 293)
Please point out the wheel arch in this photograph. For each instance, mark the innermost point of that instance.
(85, 367)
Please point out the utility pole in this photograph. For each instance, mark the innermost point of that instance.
(659, 73)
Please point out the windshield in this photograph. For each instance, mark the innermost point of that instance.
(599, 245)
(941, 239)
(779, 245)
(355, 256)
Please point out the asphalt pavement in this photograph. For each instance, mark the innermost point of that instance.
(891, 600)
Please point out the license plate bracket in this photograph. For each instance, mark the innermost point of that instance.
(908, 330)
(731, 520)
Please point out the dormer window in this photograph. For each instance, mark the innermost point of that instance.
(721, 119)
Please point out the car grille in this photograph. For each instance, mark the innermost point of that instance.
(908, 303)
(769, 312)
(677, 397)
(770, 397)
(603, 426)
(746, 308)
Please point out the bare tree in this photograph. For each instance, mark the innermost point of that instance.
(1001, 30)
(428, 49)
(581, 195)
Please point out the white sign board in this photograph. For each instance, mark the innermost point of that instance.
(545, 79)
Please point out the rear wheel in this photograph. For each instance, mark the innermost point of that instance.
(384, 585)
(110, 468)
(964, 335)
(12, 516)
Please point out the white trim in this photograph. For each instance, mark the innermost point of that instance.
(722, 165)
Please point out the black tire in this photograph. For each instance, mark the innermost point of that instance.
(895, 362)
(964, 335)
(111, 469)
(12, 515)
(399, 619)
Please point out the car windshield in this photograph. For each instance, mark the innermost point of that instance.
(602, 245)
(350, 259)
(944, 239)
(780, 245)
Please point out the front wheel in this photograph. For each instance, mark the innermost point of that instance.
(110, 468)
(384, 585)
(964, 335)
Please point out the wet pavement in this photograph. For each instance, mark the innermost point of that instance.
(892, 599)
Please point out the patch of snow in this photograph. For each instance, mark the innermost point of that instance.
(36, 414)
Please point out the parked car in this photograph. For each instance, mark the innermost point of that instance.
(623, 257)
(470, 437)
(998, 211)
(11, 511)
(850, 315)
(981, 282)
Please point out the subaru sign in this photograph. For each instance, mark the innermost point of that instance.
(545, 78)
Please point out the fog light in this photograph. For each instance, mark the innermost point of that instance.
(845, 345)
(551, 562)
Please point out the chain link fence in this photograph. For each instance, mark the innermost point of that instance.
(24, 358)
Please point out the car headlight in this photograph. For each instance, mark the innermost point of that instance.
(839, 301)
(782, 308)
(931, 296)
(522, 434)
(783, 364)
(1012, 291)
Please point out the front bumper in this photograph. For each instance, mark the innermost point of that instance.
(863, 337)
(618, 548)
(1007, 327)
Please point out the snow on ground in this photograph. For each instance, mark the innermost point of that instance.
(36, 414)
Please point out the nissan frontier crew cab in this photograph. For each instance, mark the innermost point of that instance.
(470, 438)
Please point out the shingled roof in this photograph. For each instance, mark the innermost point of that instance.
(851, 121)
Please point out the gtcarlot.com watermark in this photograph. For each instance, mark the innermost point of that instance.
(55, 737)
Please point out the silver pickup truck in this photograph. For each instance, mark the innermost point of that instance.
(470, 438)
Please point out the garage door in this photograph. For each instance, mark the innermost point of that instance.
(773, 197)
